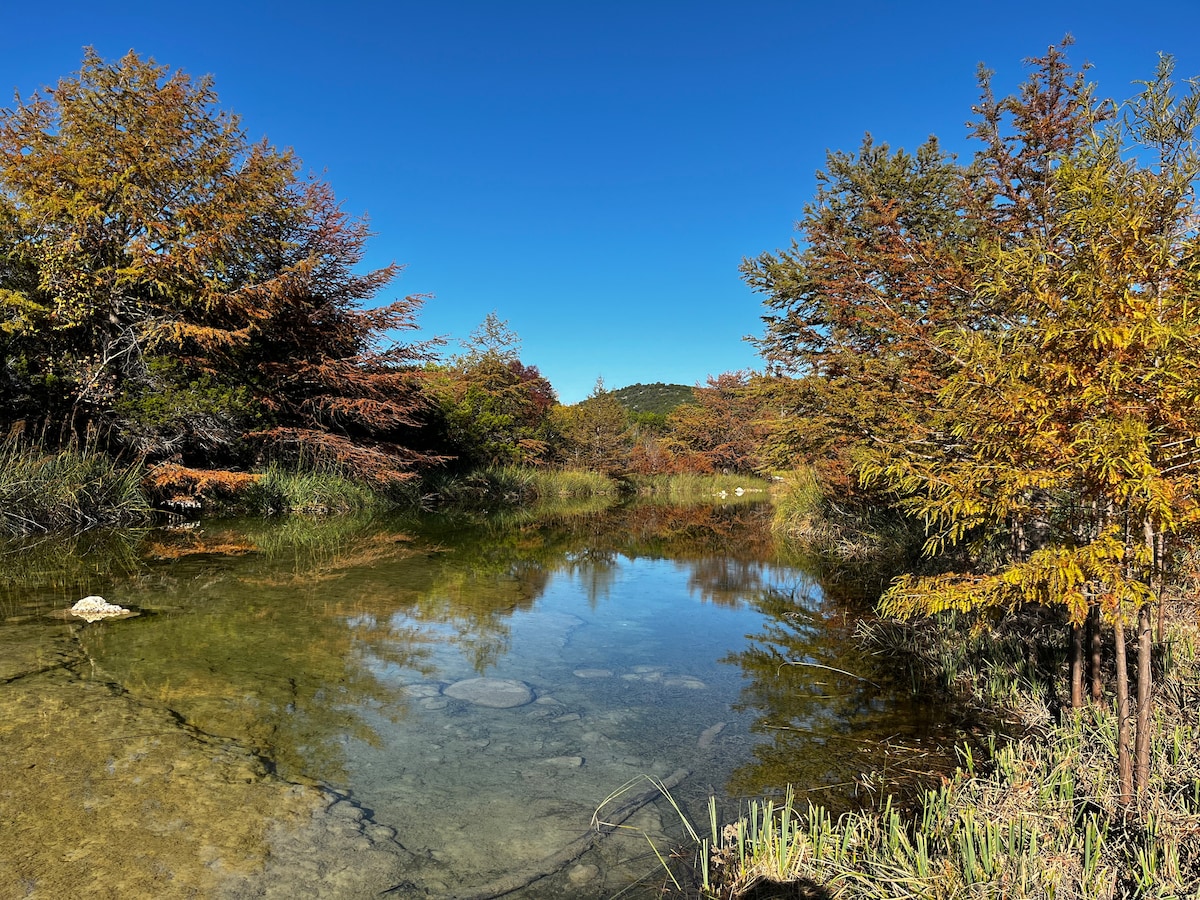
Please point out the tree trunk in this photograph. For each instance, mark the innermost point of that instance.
(1095, 655)
(1145, 687)
(1124, 761)
(1076, 666)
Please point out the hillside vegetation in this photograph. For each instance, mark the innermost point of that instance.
(654, 398)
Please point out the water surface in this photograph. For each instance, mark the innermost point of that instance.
(293, 713)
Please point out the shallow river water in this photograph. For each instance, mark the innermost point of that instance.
(424, 708)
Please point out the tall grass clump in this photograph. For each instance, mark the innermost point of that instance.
(311, 491)
(512, 485)
(572, 484)
(808, 515)
(71, 489)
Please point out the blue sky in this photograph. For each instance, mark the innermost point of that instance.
(593, 172)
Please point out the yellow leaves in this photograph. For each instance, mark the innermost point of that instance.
(1101, 573)
(910, 596)
(18, 312)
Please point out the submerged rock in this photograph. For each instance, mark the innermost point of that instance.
(498, 693)
(593, 673)
(709, 734)
(566, 762)
(582, 874)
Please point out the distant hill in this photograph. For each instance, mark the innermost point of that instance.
(653, 398)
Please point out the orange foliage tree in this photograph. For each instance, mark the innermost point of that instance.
(178, 286)
(1007, 349)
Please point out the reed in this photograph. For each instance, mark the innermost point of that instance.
(71, 489)
(806, 515)
(513, 485)
(309, 491)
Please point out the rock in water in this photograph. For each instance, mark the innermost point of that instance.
(92, 608)
(593, 673)
(583, 874)
(499, 693)
(709, 734)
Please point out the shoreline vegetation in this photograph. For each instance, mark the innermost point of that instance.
(1038, 814)
(80, 487)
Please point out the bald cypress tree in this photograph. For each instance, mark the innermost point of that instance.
(177, 286)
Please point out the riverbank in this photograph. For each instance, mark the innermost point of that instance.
(80, 487)
(1036, 816)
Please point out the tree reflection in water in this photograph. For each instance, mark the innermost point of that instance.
(836, 719)
(290, 635)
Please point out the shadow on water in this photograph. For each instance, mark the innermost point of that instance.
(298, 694)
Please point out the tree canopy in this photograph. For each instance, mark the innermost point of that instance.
(1007, 348)
(149, 250)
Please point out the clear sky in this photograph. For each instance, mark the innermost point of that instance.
(593, 171)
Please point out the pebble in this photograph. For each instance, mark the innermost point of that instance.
(582, 874)
(498, 693)
(423, 689)
(566, 762)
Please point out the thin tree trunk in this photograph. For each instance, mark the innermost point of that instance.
(1076, 666)
(1159, 545)
(1145, 687)
(1095, 654)
(1124, 761)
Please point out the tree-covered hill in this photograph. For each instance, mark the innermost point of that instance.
(654, 398)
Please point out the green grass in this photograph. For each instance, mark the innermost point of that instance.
(311, 491)
(1037, 818)
(71, 489)
(806, 515)
(500, 486)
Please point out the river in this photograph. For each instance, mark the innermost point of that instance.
(426, 706)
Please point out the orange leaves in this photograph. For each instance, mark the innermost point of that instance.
(1007, 350)
(178, 487)
(153, 231)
